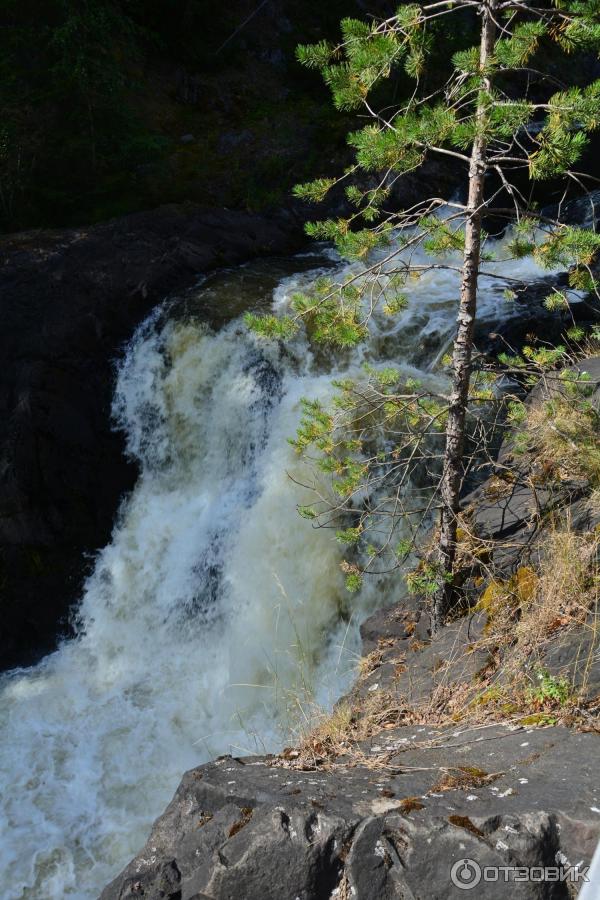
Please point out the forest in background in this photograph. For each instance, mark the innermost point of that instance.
(111, 106)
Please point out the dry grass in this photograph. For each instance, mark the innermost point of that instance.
(411, 804)
(464, 777)
(565, 590)
(246, 815)
(331, 736)
(465, 822)
(565, 435)
(343, 890)
(526, 614)
(528, 610)
(371, 662)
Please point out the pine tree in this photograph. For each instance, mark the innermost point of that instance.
(484, 116)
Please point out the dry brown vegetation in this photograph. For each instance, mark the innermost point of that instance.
(525, 615)
(550, 600)
(566, 435)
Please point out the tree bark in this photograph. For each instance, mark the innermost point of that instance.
(452, 475)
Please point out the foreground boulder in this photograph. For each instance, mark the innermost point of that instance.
(393, 826)
(68, 302)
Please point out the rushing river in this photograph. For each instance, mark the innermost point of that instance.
(216, 620)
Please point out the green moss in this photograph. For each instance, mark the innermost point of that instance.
(538, 719)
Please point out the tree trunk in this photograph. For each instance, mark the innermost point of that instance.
(463, 344)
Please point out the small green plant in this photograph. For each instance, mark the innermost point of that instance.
(425, 579)
(548, 690)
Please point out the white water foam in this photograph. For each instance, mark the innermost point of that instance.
(213, 618)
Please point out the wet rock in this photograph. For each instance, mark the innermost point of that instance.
(68, 301)
(584, 211)
(528, 320)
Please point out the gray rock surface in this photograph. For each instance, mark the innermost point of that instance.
(248, 829)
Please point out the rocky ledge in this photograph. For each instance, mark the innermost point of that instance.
(69, 300)
(259, 829)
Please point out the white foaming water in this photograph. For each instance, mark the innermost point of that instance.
(215, 615)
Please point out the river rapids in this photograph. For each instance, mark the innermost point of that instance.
(216, 619)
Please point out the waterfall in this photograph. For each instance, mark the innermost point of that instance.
(216, 618)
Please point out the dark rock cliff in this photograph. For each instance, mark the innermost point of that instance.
(68, 302)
